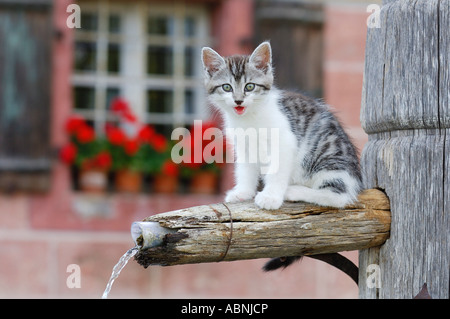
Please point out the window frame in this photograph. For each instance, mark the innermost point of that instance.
(132, 81)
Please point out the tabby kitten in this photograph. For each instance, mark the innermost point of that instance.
(317, 161)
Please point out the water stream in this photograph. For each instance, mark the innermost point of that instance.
(118, 268)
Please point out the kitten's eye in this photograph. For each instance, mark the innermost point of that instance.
(249, 87)
(227, 88)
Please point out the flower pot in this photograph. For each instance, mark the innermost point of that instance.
(204, 183)
(163, 183)
(93, 180)
(128, 181)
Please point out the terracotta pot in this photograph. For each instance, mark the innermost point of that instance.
(165, 184)
(93, 180)
(128, 181)
(204, 183)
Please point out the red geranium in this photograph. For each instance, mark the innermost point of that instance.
(68, 153)
(145, 151)
(120, 107)
(116, 136)
(103, 160)
(194, 159)
(76, 126)
(84, 148)
(131, 147)
(169, 168)
(73, 124)
(85, 134)
(146, 133)
(159, 143)
(197, 144)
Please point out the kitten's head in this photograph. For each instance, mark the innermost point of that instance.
(237, 84)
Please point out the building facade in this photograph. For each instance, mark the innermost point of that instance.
(148, 53)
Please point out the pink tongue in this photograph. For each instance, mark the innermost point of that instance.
(239, 109)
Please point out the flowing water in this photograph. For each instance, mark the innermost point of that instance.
(118, 268)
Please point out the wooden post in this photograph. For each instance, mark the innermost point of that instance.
(405, 111)
(225, 232)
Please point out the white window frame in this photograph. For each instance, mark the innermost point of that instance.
(133, 80)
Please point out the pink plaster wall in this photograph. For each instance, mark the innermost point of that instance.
(232, 24)
(345, 36)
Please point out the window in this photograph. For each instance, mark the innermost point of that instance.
(148, 54)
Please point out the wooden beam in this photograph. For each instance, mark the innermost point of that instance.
(405, 111)
(235, 231)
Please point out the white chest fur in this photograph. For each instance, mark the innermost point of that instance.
(263, 136)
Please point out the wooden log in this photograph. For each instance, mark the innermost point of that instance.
(405, 111)
(234, 231)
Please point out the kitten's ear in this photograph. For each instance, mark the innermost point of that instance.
(262, 57)
(212, 61)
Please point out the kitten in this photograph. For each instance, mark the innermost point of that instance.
(317, 161)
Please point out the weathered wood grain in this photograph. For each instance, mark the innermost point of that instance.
(405, 111)
(226, 232)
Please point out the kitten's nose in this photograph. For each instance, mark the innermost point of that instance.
(238, 102)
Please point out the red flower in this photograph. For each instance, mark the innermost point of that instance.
(159, 143)
(129, 116)
(68, 153)
(120, 106)
(195, 159)
(116, 136)
(85, 134)
(103, 160)
(169, 168)
(73, 124)
(131, 147)
(146, 134)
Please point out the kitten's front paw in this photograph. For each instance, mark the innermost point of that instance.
(237, 195)
(268, 201)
